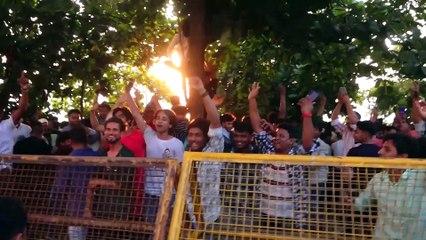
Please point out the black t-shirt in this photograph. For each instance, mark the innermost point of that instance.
(363, 175)
(364, 150)
(32, 145)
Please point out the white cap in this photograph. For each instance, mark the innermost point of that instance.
(43, 120)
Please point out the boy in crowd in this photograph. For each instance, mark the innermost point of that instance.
(400, 194)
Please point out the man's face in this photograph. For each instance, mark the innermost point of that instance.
(45, 126)
(74, 119)
(282, 140)
(103, 112)
(388, 150)
(196, 140)
(360, 136)
(228, 125)
(112, 132)
(242, 140)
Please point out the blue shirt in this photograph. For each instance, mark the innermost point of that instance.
(401, 205)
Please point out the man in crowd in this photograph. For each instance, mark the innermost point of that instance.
(227, 121)
(114, 128)
(399, 194)
(7, 127)
(72, 180)
(283, 188)
(74, 121)
(34, 144)
(347, 131)
(206, 135)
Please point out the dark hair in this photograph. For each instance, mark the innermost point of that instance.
(202, 124)
(78, 135)
(272, 117)
(74, 111)
(289, 128)
(13, 218)
(36, 128)
(62, 137)
(318, 124)
(126, 112)
(180, 110)
(105, 105)
(227, 117)
(116, 120)
(240, 126)
(404, 144)
(367, 126)
(358, 115)
(172, 118)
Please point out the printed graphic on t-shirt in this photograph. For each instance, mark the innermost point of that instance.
(167, 153)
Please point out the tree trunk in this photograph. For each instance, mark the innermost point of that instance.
(195, 61)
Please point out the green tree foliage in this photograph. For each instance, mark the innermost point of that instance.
(70, 48)
(319, 45)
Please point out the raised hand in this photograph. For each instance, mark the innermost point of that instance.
(283, 90)
(23, 82)
(196, 83)
(254, 90)
(323, 100)
(306, 105)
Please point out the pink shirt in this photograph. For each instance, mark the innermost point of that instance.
(135, 142)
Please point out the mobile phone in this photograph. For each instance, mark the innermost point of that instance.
(313, 95)
(402, 109)
(343, 91)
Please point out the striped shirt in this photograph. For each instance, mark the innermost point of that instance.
(283, 189)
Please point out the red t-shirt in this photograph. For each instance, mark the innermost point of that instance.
(135, 143)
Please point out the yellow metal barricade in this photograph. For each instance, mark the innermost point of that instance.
(259, 196)
(98, 197)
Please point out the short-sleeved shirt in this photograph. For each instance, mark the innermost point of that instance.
(158, 148)
(6, 140)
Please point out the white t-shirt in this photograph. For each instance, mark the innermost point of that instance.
(157, 148)
(6, 136)
(21, 132)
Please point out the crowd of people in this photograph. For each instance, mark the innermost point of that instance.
(286, 191)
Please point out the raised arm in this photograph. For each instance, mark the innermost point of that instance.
(337, 110)
(306, 107)
(283, 102)
(416, 109)
(211, 110)
(140, 122)
(94, 122)
(155, 103)
(321, 109)
(353, 119)
(253, 111)
(23, 101)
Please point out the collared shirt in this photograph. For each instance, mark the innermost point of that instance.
(283, 187)
(401, 205)
(347, 135)
(208, 177)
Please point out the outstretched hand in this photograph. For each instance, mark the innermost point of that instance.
(196, 83)
(254, 91)
(306, 105)
(23, 82)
